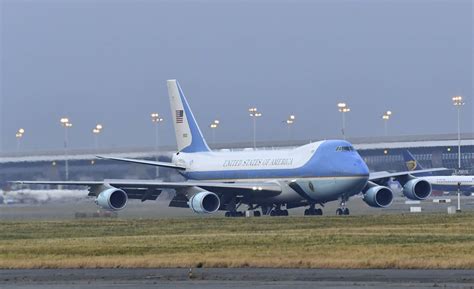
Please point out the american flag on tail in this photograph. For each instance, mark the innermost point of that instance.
(179, 116)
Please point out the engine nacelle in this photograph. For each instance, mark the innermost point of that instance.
(378, 197)
(417, 189)
(112, 199)
(204, 203)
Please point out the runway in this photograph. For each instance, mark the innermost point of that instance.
(235, 278)
(66, 209)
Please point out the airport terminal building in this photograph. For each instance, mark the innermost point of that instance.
(380, 154)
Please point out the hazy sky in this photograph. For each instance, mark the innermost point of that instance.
(108, 62)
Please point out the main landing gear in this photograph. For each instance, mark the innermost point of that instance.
(342, 210)
(276, 210)
(234, 214)
(233, 207)
(242, 214)
(312, 211)
(279, 212)
(273, 211)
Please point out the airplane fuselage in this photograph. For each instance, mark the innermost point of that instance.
(321, 171)
(451, 183)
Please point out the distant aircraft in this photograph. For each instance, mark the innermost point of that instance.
(440, 183)
(271, 180)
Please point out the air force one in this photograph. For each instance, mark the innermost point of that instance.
(271, 181)
(464, 184)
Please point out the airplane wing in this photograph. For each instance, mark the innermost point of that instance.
(144, 162)
(136, 189)
(385, 175)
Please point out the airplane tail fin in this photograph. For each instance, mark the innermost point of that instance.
(410, 161)
(188, 135)
(412, 164)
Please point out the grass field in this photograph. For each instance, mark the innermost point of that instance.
(389, 241)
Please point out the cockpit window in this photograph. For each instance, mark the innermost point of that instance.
(345, 149)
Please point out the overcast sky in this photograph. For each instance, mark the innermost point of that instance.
(108, 62)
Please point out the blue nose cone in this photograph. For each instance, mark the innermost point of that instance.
(360, 167)
(339, 158)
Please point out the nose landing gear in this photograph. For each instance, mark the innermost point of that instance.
(342, 210)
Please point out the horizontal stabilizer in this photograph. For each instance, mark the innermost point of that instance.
(144, 162)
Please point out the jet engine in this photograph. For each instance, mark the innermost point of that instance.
(417, 189)
(378, 197)
(204, 203)
(112, 199)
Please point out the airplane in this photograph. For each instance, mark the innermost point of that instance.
(272, 181)
(464, 184)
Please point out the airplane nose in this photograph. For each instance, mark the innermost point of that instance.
(362, 167)
(362, 171)
(359, 168)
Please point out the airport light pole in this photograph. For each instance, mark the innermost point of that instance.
(289, 123)
(156, 119)
(254, 114)
(458, 103)
(459, 198)
(343, 108)
(214, 125)
(96, 131)
(386, 116)
(19, 136)
(66, 124)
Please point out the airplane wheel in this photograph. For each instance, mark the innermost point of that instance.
(339, 212)
(319, 212)
(227, 214)
(284, 213)
(257, 214)
(306, 212)
(273, 213)
(346, 211)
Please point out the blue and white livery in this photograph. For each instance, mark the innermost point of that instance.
(268, 182)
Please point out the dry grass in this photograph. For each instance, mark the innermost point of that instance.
(392, 241)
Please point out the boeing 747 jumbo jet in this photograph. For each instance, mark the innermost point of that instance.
(273, 181)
